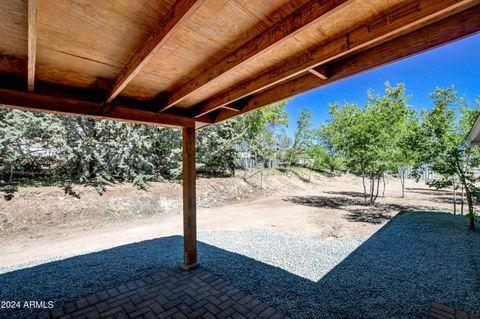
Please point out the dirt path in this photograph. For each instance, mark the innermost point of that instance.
(327, 207)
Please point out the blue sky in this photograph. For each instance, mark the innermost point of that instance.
(457, 63)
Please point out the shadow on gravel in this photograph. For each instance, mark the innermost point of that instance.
(412, 260)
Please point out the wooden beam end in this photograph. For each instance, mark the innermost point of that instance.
(320, 71)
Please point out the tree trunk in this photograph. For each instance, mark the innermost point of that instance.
(470, 215)
(461, 203)
(383, 178)
(261, 179)
(364, 188)
(10, 180)
(378, 187)
(402, 181)
(372, 188)
(403, 173)
(245, 168)
(454, 198)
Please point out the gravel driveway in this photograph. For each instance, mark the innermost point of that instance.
(414, 259)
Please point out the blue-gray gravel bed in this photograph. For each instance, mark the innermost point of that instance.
(414, 259)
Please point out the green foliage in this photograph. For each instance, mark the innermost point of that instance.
(67, 150)
(29, 142)
(323, 160)
(82, 150)
(384, 135)
(304, 134)
(303, 138)
(442, 140)
(216, 149)
(369, 140)
(329, 157)
(388, 135)
(260, 132)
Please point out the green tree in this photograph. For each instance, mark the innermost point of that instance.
(216, 149)
(407, 152)
(303, 136)
(368, 137)
(99, 153)
(355, 134)
(283, 144)
(396, 121)
(256, 131)
(29, 143)
(442, 141)
(328, 156)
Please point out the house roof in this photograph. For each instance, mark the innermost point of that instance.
(473, 137)
(191, 63)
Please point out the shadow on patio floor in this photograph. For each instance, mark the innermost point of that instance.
(414, 259)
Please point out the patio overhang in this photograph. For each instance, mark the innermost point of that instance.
(473, 138)
(194, 63)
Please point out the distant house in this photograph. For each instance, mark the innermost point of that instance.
(305, 161)
(244, 155)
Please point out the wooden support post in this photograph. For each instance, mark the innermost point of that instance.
(189, 200)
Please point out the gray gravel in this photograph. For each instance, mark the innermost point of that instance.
(414, 259)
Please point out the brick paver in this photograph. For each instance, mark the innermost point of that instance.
(439, 311)
(171, 294)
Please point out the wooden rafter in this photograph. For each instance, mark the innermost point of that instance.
(73, 81)
(32, 42)
(399, 21)
(287, 27)
(181, 10)
(321, 71)
(60, 105)
(455, 27)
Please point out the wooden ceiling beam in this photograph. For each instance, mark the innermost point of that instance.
(32, 42)
(60, 105)
(399, 21)
(181, 10)
(321, 71)
(287, 27)
(450, 29)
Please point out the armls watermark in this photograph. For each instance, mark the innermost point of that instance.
(30, 304)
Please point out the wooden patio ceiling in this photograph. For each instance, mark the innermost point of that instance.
(191, 63)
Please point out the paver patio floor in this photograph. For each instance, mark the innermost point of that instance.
(171, 294)
(440, 311)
